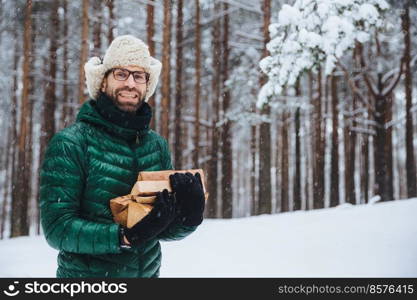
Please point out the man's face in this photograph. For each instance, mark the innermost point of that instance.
(128, 95)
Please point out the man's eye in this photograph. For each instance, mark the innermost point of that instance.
(139, 76)
(121, 74)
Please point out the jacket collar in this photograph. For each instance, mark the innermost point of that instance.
(114, 121)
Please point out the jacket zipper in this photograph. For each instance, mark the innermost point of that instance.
(137, 137)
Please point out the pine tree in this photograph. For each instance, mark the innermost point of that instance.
(19, 217)
(227, 155)
(166, 77)
(84, 51)
(196, 152)
(178, 144)
(265, 197)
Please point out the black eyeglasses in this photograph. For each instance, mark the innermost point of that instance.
(122, 74)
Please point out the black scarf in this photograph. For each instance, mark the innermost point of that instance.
(137, 121)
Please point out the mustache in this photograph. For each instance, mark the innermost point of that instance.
(127, 89)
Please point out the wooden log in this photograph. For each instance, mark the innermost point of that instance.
(128, 210)
(164, 175)
(150, 188)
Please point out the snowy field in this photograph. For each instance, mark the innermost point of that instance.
(378, 240)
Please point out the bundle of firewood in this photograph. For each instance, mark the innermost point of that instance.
(129, 209)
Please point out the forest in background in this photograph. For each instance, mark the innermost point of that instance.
(328, 140)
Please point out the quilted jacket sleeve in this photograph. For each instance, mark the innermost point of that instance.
(62, 182)
(176, 231)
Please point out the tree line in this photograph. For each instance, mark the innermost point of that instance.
(329, 140)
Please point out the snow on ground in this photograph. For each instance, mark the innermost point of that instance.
(348, 241)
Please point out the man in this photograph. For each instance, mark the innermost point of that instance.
(98, 158)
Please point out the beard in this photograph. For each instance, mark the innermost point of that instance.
(127, 106)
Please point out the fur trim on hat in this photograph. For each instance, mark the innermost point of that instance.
(125, 50)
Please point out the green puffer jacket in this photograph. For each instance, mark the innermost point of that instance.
(85, 166)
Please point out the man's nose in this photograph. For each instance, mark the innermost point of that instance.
(130, 82)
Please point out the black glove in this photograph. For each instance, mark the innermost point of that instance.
(188, 190)
(164, 211)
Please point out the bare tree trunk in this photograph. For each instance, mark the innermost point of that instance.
(310, 147)
(285, 206)
(278, 161)
(307, 168)
(208, 212)
(265, 197)
(84, 52)
(408, 82)
(166, 77)
(67, 110)
(227, 158)
(14, 150)
(185, 130)
(97, 21)
(13, 134)
(48, 124)
(178, 147)
(381, 96)
(6, 183)
(253, 143)
(19, 220)
(110, 6)
(318, 170)
(364, 159)
(388, 149)
(49, 104)
(7, 171)
(379, 146)
(334, 173)
(150, 32)
(365, 168)
(264, 180)
(29, 145)
(297, 177)
(347, 146)
(350, 189)
(150, 27)
(197, 84)
(383, 143)
(11, 166)
(213, 168)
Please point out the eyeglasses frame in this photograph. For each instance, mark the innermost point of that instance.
(147, 75)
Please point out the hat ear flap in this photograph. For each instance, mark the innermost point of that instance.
(94, 74)
(154, 72)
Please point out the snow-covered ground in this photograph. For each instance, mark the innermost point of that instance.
(377, 240)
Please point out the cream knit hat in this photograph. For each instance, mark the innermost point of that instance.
(125, 50)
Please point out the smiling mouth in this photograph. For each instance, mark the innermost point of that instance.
(128, 95)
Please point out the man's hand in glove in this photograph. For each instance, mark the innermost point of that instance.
(190, 195)
(162, 214)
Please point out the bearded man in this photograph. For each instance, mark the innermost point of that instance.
(98, 158)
